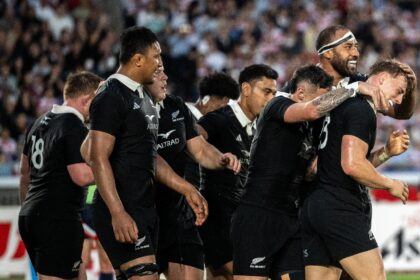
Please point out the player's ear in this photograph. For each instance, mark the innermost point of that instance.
(138, 59)
(300, 93)
(328, 54)
(382, 77)
(246, 88)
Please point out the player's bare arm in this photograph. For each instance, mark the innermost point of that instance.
(81, 174)
(84, 148)
(101, 146)
(24, 177)
(397, 144)
(318, 107)
(210, 157)
(167, 176)
(355, 164)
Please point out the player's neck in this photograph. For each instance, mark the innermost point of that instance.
(129, 72)
(200, 107)
(245, 109)
(329, 69)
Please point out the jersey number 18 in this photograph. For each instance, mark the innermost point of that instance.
(37, 157)
(323, 137)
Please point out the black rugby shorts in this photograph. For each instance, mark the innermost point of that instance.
(333, 230)
(265, 242)
(54, 246)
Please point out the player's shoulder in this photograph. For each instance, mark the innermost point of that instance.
(173, 100)
(356, 105)
(70, 123)
(358, 77)
(276, 102)
(219, 115)
(111, 91)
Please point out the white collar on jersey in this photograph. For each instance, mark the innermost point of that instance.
(242, 118)
(131, 84)
(196, 113)
(342, 83)
(63, 109)
(281, 93)
(159, 106)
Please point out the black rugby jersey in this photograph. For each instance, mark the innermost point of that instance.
(51, 144)
(176, 127)
(358, 77)
(131, 117)
(280, 152)
(353, 117)
(192, 169)
(227, 134)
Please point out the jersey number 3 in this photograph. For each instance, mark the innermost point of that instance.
(37, 157)
(323, 137)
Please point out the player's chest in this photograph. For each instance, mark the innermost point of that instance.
(172, 131)
(141, 116)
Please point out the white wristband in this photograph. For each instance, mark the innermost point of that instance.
(354, 86)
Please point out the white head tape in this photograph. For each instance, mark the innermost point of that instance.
(205, 99)
(346, 37)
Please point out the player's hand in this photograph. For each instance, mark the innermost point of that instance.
(125, 228)
(378, 97)
(198, 204)
(230, 161)
(411, 75)
(399, 189)
(397, 143)
(312, 170)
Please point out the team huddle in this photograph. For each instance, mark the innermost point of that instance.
(250, 182)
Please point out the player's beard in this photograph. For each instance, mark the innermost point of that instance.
(341, 66)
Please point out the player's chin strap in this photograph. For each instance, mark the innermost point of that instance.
(141, 270)
(346, 37)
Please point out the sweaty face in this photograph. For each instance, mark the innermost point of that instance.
(345, 56)
(262, 91)
(158, 88)
(152, 61)
(394, 88)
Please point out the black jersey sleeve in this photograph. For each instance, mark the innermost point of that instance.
(107, 111)
(212, 123)
(277, 108)
(25, 150)
(358, 120)
(72, 142)
(190, 123)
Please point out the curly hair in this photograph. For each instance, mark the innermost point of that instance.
(220, 85)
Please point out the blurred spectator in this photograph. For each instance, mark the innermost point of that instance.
(8, 145)
(42, 41)
(6, 167)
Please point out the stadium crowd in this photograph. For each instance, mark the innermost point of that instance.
(42, 41)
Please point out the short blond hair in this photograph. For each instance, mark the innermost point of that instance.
(80, 83)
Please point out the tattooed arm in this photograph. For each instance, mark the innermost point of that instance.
(318, 107)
